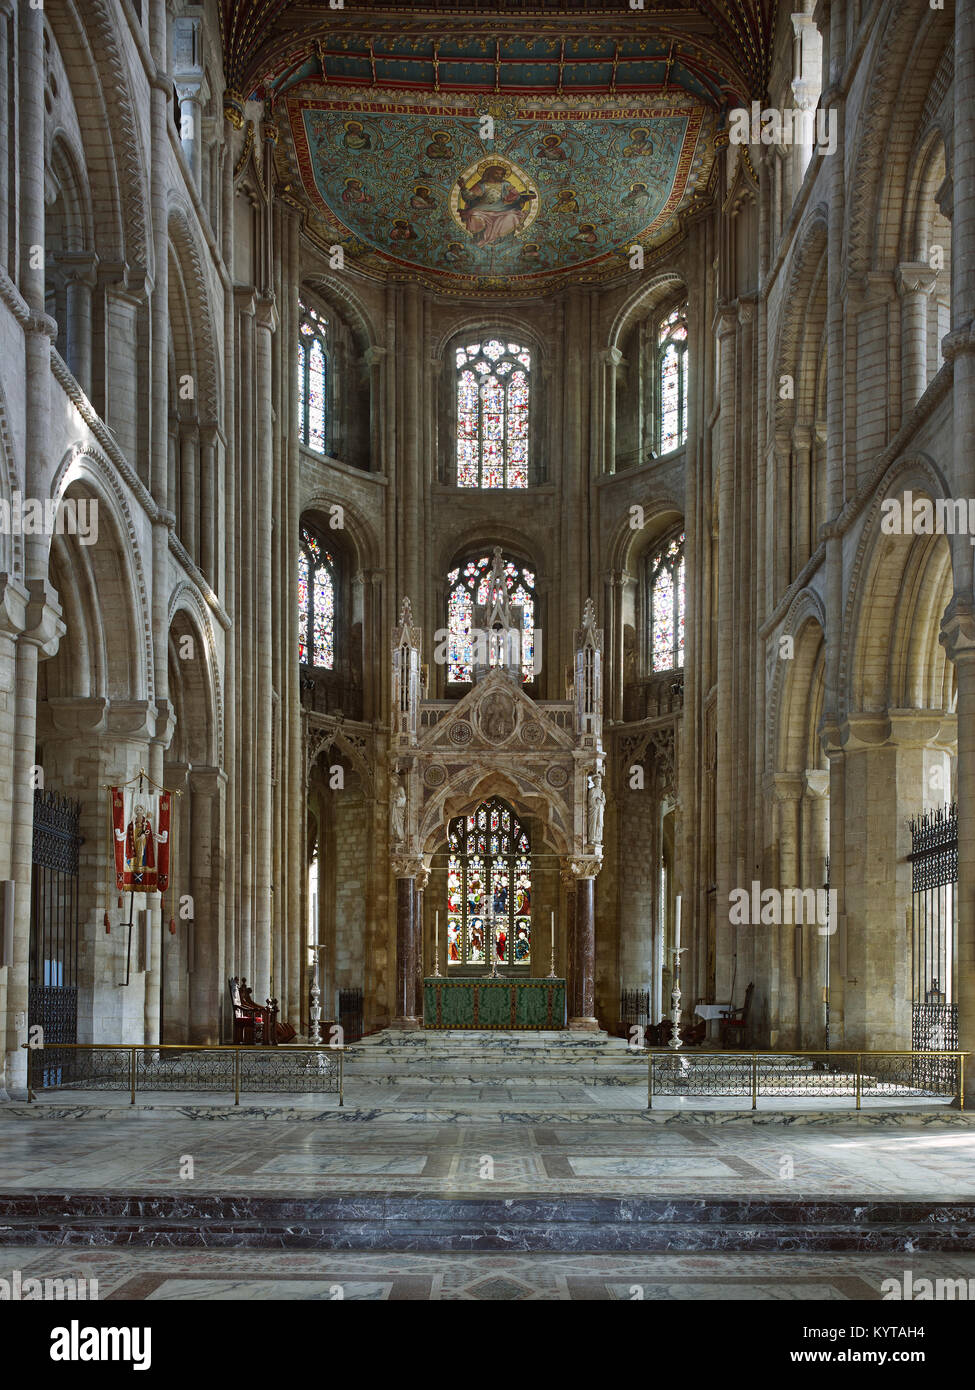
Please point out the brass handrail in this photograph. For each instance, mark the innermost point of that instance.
(754, 1056)
(133, 1049)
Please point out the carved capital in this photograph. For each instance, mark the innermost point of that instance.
(581, 866)
(13, 606)
(817, 782)
(787, 787)
(406, 865)
(43, 626)
(267, 314)
(958, 629)
(915, 277)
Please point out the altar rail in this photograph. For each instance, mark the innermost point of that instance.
(186, 1067)
(893, 1075)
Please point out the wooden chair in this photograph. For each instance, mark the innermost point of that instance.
(735, 1021)
(254, 1024)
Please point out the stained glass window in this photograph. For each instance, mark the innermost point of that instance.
(672, 380)
(489, 889)
(467, 584)
(665, 605)
(316, 603)
(313, 380)
(493, 398)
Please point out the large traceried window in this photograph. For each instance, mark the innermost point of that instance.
(313, 380)
(468, 584)
(316, 603)
(672, 381)
(665, 605)
(489, 890)
(493, 396)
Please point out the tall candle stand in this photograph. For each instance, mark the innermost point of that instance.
(551, 974)
(675, 1039)
(315, 1010)
(436, 947)
(494, 947)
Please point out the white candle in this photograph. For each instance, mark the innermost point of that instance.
(677, 924)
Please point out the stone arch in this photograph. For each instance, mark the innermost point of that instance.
(364, 547)
(91, 50)
(198, 334)
(527, 796)
(77, 221)
(88, 468)
(627, 544)
(906, 61)
(204, 687)
(465, 324)
(797, 687)
(11, 546)
(802, 322)
(485, 538)
(642, 301)
(101, 656)
(342, 299)
(899, 589)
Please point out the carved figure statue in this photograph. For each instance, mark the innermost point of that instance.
(597, 807)
(397, 813)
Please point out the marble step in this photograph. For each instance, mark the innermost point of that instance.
(384, 1221)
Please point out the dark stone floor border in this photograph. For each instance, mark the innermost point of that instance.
(519, 1223)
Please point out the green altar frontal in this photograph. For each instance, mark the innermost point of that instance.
(493, 1003)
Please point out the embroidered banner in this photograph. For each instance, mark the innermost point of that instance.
(140, 835)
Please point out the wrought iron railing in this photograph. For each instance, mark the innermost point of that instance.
(635, 1007)
(83, 1067)
(871, 1075)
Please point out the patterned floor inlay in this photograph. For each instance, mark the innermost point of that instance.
(267, 1276)
(152, 1153)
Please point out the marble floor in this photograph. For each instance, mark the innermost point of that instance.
(194, 1275)
(449, 1101)
(151, 1151)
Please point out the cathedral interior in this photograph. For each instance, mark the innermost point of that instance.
(572, 837)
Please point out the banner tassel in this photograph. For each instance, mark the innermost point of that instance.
(172, 927)
(108, 926)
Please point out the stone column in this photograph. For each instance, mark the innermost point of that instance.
(79, 271)
(783, 992)
(405, 870)
(958, 637)
(421, 881)
(209, 503)
(266, 326)
(189, 448)
(915, 281)
(814, 830)
(582, 1015)
(208, 961)
(805, 541)
(888, 759)
(612, 360)
(958, 625)
(6, 68)
(727, 808)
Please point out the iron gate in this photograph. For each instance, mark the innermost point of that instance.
(52, 999)
(934, 861)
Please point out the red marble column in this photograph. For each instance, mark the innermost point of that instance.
(582, 1015)
(405, 954)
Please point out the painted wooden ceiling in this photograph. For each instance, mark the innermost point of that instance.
(604, 127)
